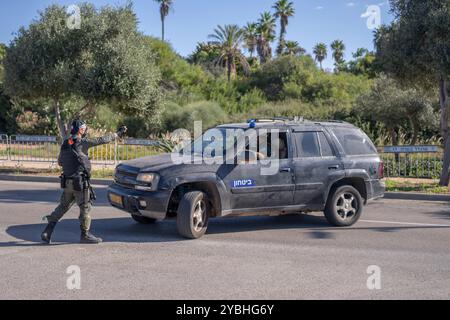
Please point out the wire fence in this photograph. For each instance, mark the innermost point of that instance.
(407, 161)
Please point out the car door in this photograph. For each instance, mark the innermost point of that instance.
(250, 188)
(316, 166)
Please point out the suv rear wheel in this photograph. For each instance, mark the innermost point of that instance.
(192, 215)
(344, 207)
(143, 220)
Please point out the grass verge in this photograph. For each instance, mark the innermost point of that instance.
(415, 185)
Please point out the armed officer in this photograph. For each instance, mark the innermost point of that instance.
(75, 179)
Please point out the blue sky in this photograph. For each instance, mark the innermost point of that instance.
(192, 20)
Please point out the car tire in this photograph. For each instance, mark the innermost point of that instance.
(344, 206)
(143, 220)
(192, 215)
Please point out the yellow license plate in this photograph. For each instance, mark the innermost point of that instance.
(117, 200)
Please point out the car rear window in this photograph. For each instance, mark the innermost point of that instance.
(354, 141)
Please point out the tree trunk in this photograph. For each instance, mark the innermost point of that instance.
(415, 128)
(444, 93)
(394, 138)
(163, 31)
(282, 42)
(61, 126)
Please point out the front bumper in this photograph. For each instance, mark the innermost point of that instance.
(156, 202)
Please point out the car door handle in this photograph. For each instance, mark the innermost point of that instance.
(288, 170)
(334, 167)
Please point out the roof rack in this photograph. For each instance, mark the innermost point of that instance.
(335, 121)
(278, 119)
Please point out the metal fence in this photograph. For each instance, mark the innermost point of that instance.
(403, 161)
(413, 161)
(33, 149)
(413, 166)
(45, 149)
(4, 145)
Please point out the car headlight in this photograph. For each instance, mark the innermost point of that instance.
(151, 181)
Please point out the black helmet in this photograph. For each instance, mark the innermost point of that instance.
(77, 125)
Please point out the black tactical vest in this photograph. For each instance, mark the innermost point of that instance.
(69, 160)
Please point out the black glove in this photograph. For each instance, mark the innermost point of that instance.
(122, 131)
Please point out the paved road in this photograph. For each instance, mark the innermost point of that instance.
(291, 257)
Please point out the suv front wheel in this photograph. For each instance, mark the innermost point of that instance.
(344, 207)
(192, 215)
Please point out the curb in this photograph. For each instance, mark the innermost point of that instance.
(44, 179)
(417, 196)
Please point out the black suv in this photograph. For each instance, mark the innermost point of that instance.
(322, 166)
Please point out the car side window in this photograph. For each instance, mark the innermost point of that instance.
(283, 152)
(354, 141)
(325, 146)
(307, 144)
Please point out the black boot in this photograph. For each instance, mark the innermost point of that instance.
(46, 236)
(88, 238)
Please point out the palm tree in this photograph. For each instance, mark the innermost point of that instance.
(266, 34)
(293, 48)
(338, 48)
(284, 9)
(229, 38)
(360, 52)
(164, 9)
(321, 53)
(250, 37)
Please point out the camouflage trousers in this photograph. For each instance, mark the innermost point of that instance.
(68, 199)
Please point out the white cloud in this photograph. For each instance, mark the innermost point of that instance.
(319, 8)
(350, 4)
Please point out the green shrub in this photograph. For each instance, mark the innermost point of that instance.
(251, 100)
(273, 76)
(176, 117)
(288, 108)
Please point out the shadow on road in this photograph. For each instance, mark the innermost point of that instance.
(125, 230)
(111, 230)
(443, 214)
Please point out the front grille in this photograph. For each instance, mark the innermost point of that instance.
(126, 177)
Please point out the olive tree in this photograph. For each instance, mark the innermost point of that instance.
(415, 49)
(104, 60)
(388, 103)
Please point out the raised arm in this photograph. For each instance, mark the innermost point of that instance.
(90, 143)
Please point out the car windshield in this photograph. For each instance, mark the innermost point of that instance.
(209, 139)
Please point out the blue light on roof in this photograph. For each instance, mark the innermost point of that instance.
(252, 123)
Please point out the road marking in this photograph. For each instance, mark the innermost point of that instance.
(407, 223)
